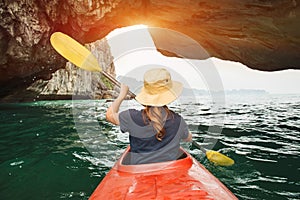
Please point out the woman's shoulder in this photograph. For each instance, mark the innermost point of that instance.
(134, 111)
(133, 114)
(175, 115)
(131, 111)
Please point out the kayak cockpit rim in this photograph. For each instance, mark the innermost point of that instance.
(185, 161)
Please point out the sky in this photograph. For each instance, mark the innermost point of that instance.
(134, 52)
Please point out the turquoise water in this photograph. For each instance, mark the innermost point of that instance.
(62, 149)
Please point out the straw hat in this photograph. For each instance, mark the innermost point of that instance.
(158, 89)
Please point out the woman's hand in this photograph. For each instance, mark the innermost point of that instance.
(123, 91)
(112, 113)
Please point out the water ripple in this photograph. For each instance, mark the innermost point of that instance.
(44, 141)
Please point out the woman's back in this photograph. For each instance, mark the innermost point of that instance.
(145, 147)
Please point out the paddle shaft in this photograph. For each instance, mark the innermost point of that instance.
(116, 82)
(198, 146)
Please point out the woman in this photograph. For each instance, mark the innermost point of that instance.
(154, 132)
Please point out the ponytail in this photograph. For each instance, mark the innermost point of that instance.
(157, 117)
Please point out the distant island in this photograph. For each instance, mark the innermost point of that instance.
(197, 92)
(135, 85)
(246, 91)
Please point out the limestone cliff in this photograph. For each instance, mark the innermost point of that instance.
(72, 82)
(263, 34)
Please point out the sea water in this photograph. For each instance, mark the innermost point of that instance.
(63, 149)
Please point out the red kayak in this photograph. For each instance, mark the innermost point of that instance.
(184, 179)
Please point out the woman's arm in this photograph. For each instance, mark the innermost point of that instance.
(112, 113)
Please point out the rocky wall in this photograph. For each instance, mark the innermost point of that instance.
(72, 82)
(262, 34)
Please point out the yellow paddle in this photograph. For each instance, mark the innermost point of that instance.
(215, 157)
(80, 56)
(83, 58)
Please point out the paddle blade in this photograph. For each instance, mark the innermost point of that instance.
(219, 158)
(74, 52)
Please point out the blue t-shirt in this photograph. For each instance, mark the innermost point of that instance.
(144, 147)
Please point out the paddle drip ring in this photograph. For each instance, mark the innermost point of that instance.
(200, 104)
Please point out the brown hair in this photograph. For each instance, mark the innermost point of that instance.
(156, 117)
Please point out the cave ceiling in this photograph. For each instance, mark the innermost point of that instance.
(263, 35)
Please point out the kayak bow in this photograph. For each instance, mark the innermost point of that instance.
(185, 178)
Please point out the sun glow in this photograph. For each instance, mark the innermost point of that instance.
(125, 29)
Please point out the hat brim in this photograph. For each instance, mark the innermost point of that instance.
(160, 99)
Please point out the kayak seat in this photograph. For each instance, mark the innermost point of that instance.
(182, 156)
